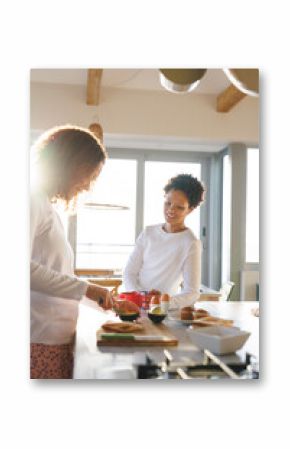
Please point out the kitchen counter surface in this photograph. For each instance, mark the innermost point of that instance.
(93, 362)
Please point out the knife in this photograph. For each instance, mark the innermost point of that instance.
(123, 336)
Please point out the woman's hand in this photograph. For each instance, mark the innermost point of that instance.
(101, 295)
(154, 292)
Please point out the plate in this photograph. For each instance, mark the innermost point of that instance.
(175, 316)
(201, 322)
(193, 322)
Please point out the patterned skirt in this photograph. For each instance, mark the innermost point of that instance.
(51, 361)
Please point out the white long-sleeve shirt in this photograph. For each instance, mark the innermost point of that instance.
(55, 291)
(162, 261)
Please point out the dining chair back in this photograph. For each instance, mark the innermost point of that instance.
(226, 290)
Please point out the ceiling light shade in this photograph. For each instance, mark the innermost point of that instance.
(180, 80)
(246, 80)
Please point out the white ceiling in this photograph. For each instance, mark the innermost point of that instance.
(213, 82)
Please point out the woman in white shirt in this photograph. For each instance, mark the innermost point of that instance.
(68, 160)
(167, 257)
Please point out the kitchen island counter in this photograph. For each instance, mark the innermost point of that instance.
(93, 362)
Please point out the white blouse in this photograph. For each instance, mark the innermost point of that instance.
(163, 261)
(55, 291)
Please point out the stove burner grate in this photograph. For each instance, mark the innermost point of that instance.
(211, 368)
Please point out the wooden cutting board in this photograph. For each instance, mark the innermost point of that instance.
(149, 329)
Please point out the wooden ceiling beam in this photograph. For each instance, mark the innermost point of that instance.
(94, 86)
(227, 99)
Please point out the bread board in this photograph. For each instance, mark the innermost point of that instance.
(163, 336)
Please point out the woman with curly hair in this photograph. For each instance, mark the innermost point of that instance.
(68, 160)
(168, 255)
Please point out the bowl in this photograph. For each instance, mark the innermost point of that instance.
(219, 339)
(128, 316)
(156, 317)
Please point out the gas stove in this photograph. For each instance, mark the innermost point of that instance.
(212, 367)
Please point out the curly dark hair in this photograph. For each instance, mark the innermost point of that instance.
(190, 186)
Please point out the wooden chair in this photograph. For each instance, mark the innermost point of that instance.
(226, 290)
(115, 283)
(209, 296)
(93, 272)
(222, 295)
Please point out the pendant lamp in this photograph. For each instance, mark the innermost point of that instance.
(246, 80)
(180, 80)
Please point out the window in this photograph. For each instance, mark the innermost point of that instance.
(252, 209)
(156, 176)
(106, 234)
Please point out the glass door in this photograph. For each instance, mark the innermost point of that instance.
(106, 221)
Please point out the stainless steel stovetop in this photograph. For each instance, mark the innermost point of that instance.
(212, 367)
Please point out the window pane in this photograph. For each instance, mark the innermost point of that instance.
(156, 176)
(106, 237)
(252, 211)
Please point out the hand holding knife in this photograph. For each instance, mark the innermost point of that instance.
(101, 295)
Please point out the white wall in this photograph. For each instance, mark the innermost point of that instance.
(146, 113)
